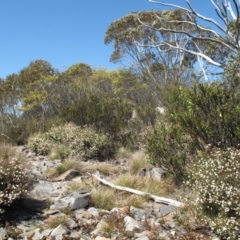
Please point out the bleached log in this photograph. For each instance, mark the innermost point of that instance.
(131, 190)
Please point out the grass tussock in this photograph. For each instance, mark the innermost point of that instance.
(105, 168)
(151, 186)
(137, 160)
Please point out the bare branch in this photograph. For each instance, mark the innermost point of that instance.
(131, 190)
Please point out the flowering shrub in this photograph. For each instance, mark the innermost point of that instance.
(13, 179)
(73, 140)
(216, 181)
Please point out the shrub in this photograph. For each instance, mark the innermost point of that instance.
(216, 180)
(84, 142)
(209, 113)
(168, 146)
(13, 179)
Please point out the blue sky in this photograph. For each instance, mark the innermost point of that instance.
(65, 32)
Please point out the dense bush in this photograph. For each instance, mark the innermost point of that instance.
(84, 142)
(13, 179)
(209, 113)
(216, 180)
(168, 146)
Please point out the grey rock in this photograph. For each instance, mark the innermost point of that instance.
(138, 214)
(165, 210)
(75, 200)
(163, 234)
(131, 224)
(45, 190)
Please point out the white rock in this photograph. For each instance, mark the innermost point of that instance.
(57, 233)
(131, 224)
(3, 233)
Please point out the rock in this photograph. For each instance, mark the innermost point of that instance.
(72, 235)
(102, 238)
(68, 175)
(151, 172)
(3, 234)
(157, 173)
(57, 233)
(164, 210)
(43, 190)
(93, 211)
(71, 223)
(81, 214)
(138, 214)
(41, 235)
(143, 238)
(99, 227)
(163, 235)
(131, 224)
(120, 212)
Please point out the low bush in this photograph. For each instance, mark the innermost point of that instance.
(215, 179)
(83, 142)
(13, 179)
(168, 146)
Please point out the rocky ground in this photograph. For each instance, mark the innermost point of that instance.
(54, 210)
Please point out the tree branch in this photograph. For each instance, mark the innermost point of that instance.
(131, 190)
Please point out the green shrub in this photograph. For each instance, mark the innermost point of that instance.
(215, 179)
(13, 179)
(83, 142)
(209, 113)
(168, 146)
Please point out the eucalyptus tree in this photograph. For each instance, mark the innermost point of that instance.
(141, 41)
(223, 38)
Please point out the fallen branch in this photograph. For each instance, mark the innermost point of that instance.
(131, 190)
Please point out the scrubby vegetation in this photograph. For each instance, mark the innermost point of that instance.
(72, 141)
(14, 181)
(94, 114)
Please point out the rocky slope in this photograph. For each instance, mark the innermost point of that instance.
(54, 210)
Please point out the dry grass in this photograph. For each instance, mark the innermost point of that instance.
(104, 198)
(137, 161)
(159, 188)
(56, 221)
(105, 168)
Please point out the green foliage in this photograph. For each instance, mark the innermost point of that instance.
(13, 179)
(215, 179)
(168, 146)
(209, 113)
(84, 142)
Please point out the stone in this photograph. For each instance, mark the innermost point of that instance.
(138, 214)
(143, 238)
(75, 200)
(58, 232)
(82, 214)
(41, 235)
(99, 227)
(3, 234)
(131, 224)
(102, 238)
(68, 175)
(157, 173)
(164, 210)
(93, 211)
(71, 223)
